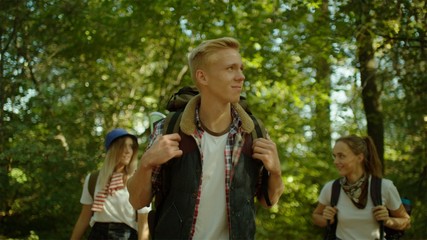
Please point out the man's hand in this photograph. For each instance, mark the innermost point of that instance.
(164, 148)
(266, 151)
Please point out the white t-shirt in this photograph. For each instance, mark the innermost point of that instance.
(354, 223)
(117, 207)
(212, 222)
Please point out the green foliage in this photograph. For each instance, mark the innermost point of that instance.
(72, 70)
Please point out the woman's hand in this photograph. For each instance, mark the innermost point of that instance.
(329, 213)
(380, 213)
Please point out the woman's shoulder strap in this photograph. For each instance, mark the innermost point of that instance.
(335, 194)
(92, 183)
(376, 190)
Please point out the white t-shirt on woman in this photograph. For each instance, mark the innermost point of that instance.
(354, 223)
(117, 207)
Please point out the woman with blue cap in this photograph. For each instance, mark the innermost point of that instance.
(106, 208)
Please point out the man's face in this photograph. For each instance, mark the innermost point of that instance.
(223, 72)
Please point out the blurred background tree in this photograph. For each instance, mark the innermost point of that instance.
(315, 69)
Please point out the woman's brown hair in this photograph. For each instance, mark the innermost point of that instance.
(365, 145)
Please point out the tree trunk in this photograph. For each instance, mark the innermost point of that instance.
(370, 89)
(323, 80)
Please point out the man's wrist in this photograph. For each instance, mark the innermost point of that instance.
(146, 166)
(275, 174)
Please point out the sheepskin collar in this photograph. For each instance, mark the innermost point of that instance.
(188, 125)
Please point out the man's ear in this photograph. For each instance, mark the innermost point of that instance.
(201, 77)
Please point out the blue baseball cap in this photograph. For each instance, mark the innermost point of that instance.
(115, 134)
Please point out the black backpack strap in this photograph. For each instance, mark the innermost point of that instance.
(376, 190)
(259, 132)
(92, 183)
(336, 190)
(171, 124)
(335, 195)
(376, 198)
(265, 175)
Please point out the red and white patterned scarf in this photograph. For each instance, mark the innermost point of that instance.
(116, 183)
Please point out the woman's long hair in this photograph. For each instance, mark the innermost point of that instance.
(365, 145)
(112, 159)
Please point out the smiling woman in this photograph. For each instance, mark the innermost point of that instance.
(355, 215)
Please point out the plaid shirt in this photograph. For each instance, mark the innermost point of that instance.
(232, 153)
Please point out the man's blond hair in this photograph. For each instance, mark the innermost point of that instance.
(198, 55)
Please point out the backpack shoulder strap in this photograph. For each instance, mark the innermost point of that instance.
(376, 190)
(92, 183)
(171, 124)
(376, 198)
(259, 131)
(264, 181)
(335, 194)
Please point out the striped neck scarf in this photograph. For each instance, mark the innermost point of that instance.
(115, 183)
